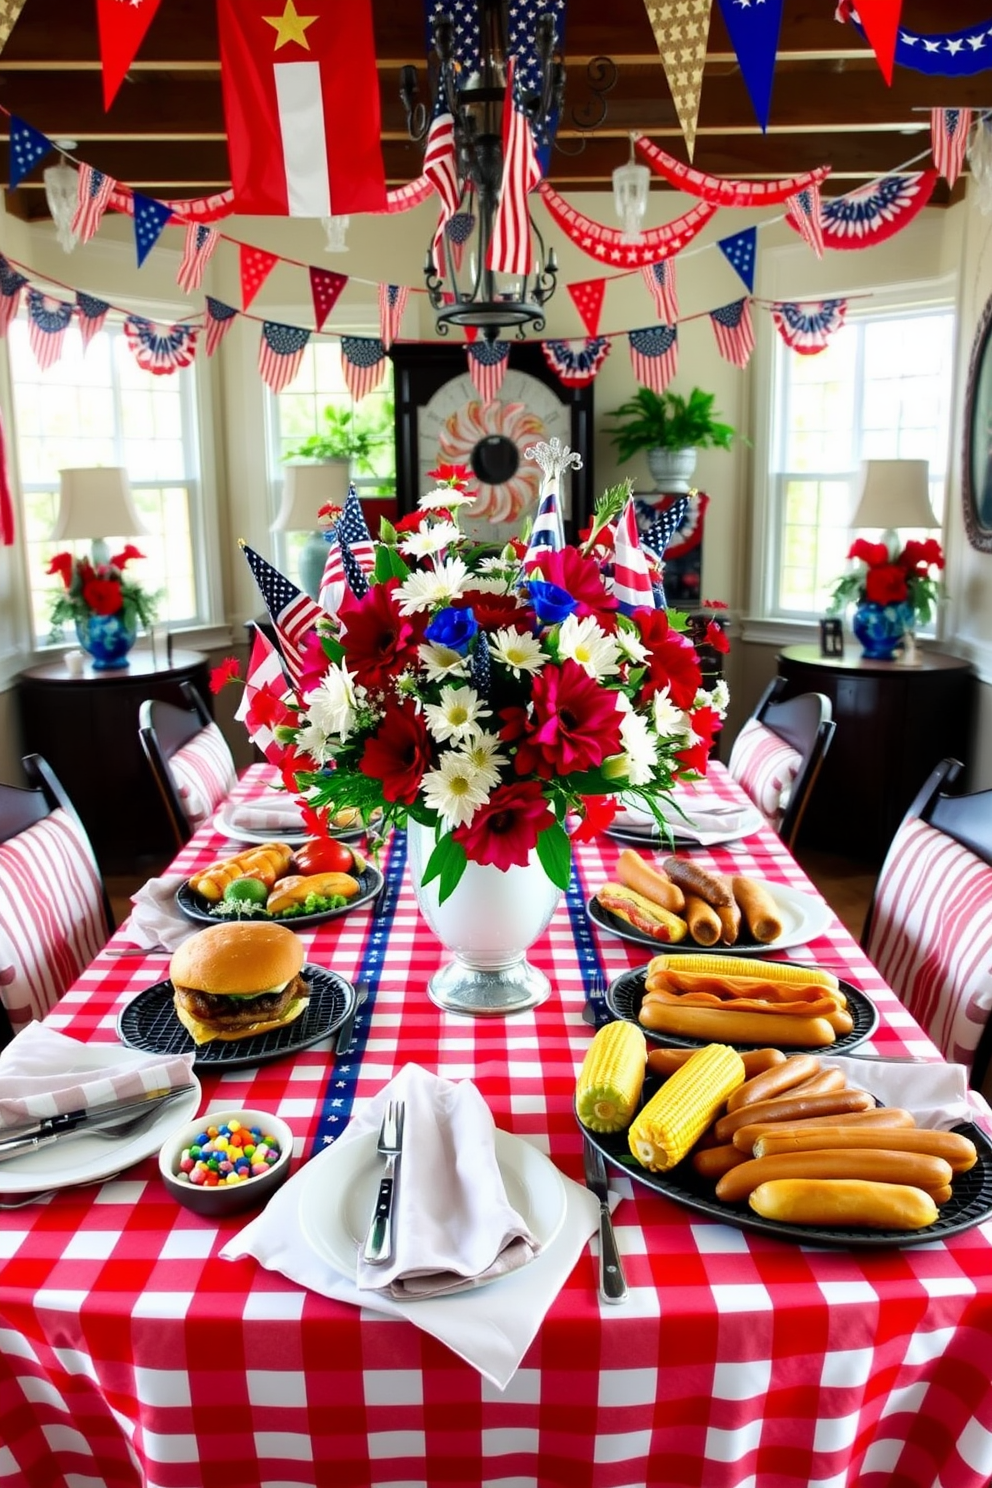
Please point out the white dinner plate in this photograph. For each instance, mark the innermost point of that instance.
(638, 827)
(223, 824)
(803, 916)
(335, 1210)
(89, 1158)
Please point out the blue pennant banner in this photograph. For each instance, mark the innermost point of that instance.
(27, 147)
(753, 31)
(940, 54)
(150, 217)
(741, 251)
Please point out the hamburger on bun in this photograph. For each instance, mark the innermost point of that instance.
(236, 979)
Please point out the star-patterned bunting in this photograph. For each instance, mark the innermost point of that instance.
(280, 351)
(681, 29)
(588, 300)
(325, 287)
(741, 250)
(256, 266)
(150, 217)
(27, 146)
(220, 318)
(91, 314)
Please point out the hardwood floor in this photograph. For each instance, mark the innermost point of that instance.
(847, 886)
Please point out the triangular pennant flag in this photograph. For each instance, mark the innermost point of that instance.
(294, 614)
(808, 328)
(753, 33)
(632, 586)
(588, 299)
(197, 252)
(150, 217)
(256, 266)
(161, 352)
(92, 313)
(363, 364)
(325, 287)
(47, 322)
(487, 361)
(949, 129)
(660, 280)
(575, 363)
(392, 303)
(880, 23)
(93, 192)
(280, 351)
(27, 146)
(681, 29)
(654, 353)
(9, 12)
(734, 331)
(740, 251)
(803, 212)
(458, 230)
(122, 30)
(547, 534)
(11, 284)
(658, 524)
(220, 318)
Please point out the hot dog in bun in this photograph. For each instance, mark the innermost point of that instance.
(234, 980)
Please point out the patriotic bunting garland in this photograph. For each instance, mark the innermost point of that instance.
(198, 249)
(27, 146)
(938, 54)
(91, 314)
(660, 280)
(280, 352)
(363, 363)
(734, 331)
(608, 244)
(803, 213)
(654, 352)
(256, 265)
(220, 318)
(949, 129)
(325, 287)
(874, 212)
(808, 328)
(721, 191)
(575, 363)
(588, 300)
(392, 303)
(150, 217)
(11, 284)
(161, 352)
(741, 251)
(487, 362)
(93, 193)
(681, 29)
(48, 320)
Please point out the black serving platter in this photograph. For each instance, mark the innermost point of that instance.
(197, 909)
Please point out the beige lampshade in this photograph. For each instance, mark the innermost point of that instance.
(895, 494)
(306, 488)
(96, 502)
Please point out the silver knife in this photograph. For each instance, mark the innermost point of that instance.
(612, 1282)
(346, 1032)
(48, 1129)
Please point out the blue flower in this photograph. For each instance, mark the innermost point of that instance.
(454, 629)
(551, 604)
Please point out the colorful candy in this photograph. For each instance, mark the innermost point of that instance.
(228, 1154)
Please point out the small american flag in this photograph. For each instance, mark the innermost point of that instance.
(11, 284)
(458, 230)
(660, 280)
(91, 313)
(657, 528)
(333, 581)
(350, 557)
(47, 323)
(352, 526)
(92, 195)
(265, 673)
(220, 318)
(734, 331)
(197, 249)
(803, 211)
(441, 169)
(487, 362)
(631, 575)
(280, 351)
(293, 613)
(546, 535)
(654, 355)
(949, 129)
(392, 303)
(510, 250)
(363, 364)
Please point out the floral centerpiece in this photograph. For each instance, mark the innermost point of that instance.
(103, 601)
(895, 591)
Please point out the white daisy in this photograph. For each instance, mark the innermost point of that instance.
(519, 652)
(719, 698)
(439, 662)
(444, 498)
(586, 642)
(494, 584)
(642, 751)
(456, 789)
(425, 589)
(430, 540)
(483, 749)
(631, 646)
(315, 742)
(454, 717)
(670, 722)
(332, 704)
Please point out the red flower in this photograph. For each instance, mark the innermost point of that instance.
(715, 604)
(582, 579)
(413, 521)
(314, 663)
(886, 584)
(398, 753)
(495, 611)
(316, 819)
(103, 596)
(457, 476)
(228, 671)
(505, 830)
(296, 762)
(672, 660)
(917, 557)
(576, 721)
(872, 553)
(266, 709)
(379, 642)
(717, 637)
(598, 812)
(121, 560)
(61, 564)
(705, 723)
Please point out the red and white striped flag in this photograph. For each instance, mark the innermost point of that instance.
(803, 211)
(293, 613)
(333, 581)
(92, 196)
(734, 331)
(510, 250)
(220, 318)
(363, 364)
(949, 130)
(392, 303)
(90, 314)
(631, 574)
(265, 674)
(654, 355)
(48, 320)
(197, 250)
(487, 362)
(441, 169)
(660, 280)
(280, 352)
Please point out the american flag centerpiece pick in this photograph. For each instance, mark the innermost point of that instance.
(657, 528)
(265, 697)
(548, 532)
(350, 556)
(632, 586)
(293, 613)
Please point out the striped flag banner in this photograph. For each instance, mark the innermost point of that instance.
(11, 284)
(632, 586)
(654, 355)
(350, 557)
(392, 303)
(734, 331)
(949, 130)
(159, 351)
(547, 534)
(660, 280)
(333, 581)
(457, 231)
(803, 211)
(197, 252)
(441, 169)
(280, 352)
(220, 318)
(91, 313)
(265, 675)
(363, 363)
(293, 613)
(48, 320)
(487, 363)
(510, 248)
(808, 328)
(92, 198)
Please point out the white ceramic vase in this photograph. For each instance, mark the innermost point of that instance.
(489, 923)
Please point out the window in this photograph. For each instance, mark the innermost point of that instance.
(98, 407)
(881, 390)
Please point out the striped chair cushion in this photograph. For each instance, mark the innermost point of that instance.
(931, 935)
(766, 767)
(204, 773)
(52, 920)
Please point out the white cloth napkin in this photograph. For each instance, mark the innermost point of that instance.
(273, 814)
(705, 819)
(936, 1094)
(490, 1327)
(155, 921)
(43, 1073)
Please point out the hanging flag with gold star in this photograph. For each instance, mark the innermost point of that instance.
(681, 29)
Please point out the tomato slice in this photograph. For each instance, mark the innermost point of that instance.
(324, 855)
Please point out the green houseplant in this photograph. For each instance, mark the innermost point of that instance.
(671, 429)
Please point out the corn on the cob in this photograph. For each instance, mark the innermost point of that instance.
(677, 1115)
(611, 1077)
(735, 966)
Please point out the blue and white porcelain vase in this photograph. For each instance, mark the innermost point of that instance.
(107, 639)
(880, 628)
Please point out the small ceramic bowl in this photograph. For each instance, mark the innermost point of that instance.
(225, 1198)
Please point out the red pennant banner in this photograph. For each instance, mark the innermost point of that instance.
(325, 288)
(122, 25)
(880, 19)
(721, 191)
(588, 299)
(256, 266)
(608, 243)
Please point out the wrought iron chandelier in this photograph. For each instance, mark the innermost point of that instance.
(468, 76)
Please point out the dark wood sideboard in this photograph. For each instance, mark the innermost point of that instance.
(894, 723)
(87, 729)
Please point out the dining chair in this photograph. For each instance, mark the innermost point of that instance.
(929, 924)
(54, 911)
(778, 754)
(189, 757)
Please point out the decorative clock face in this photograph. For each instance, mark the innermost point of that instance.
(457, 427)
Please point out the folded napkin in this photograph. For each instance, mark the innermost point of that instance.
(275, 814)
(490, 1327)
(705, 819)
(937, 1094)
(43, 1073)
(155, 922)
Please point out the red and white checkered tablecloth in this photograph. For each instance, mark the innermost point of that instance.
(131, 1354)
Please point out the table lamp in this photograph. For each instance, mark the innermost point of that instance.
(96, 502)
(306, 488)
(894, 494)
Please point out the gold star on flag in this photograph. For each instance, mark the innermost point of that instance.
(290, 26)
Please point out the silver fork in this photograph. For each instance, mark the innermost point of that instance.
(595, 1012)
(379, 1241)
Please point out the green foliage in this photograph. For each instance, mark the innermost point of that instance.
(360, 436)
(666, 420)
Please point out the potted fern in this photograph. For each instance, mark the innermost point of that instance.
(671, 429)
